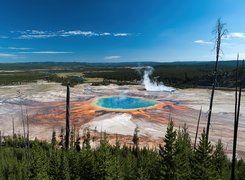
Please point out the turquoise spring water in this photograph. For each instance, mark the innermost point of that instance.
(124, 102)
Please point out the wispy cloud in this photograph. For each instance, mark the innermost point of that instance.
(121, 34)
(112, 57)
(33, 34)
(77, 33)
(18, 48)
(36, 34)
(12, 56)
(7, 55)
(237, 35)
(105, 34)
(203, 42)
(46, 52)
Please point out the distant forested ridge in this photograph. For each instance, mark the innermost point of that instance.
(177, 74)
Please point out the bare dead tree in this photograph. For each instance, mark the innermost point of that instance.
(198, 122)
(219, 32)
(27, 136)
(236, 117)
(22, 114)
(67, 117)
(13, 126)
(0, 138)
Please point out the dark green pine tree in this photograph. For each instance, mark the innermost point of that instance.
(54, 164)
(86, 169)
(38, 162)
(167, 153)
(183, 154)
(73, 161)
(116, 153)
(63, 166)
(105, 166)
(202, 167)
(241, 170)
(220, 161)
(53, 140)
(129, 165)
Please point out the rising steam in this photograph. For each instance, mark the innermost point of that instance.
(153, 85)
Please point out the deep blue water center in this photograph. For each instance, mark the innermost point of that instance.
(124, 102)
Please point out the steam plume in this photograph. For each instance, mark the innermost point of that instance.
(153, 85)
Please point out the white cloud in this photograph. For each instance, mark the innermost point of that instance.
(7, 55)
(202, 42)
(78, 32)
(46, 52)
(18, 48)
(12, 56)
(36, 34)
(121, 34)
(233, 56)
(105, 34)
(112, 57)
(238, 35)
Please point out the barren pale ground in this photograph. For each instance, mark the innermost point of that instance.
(43, 103)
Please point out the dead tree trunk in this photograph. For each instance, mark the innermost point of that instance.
(236, 119)
(27, 136)
(67, 117)
(219, 33)
(198, 122)
(13, 127)
(0, 138)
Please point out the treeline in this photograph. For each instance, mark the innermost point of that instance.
(123, 74)
(176, 159)
(16, 78)
(174, 74)
(73, 80)
(178, 75)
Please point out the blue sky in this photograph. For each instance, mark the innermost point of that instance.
(118, 30)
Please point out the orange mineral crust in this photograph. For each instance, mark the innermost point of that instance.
(85, 111)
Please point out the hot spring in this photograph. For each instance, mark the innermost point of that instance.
(124, 102)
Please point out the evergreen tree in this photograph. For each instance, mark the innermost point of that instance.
(63, 166)
(220, 161)
(38, 162)
(116, 153)
(105, 166)
(129, 166)
(54, 165)
(241, 170)
(183, 154)
(87, 165)
(73, 161)
(168, 153)
(202, 167)
(53, 140)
